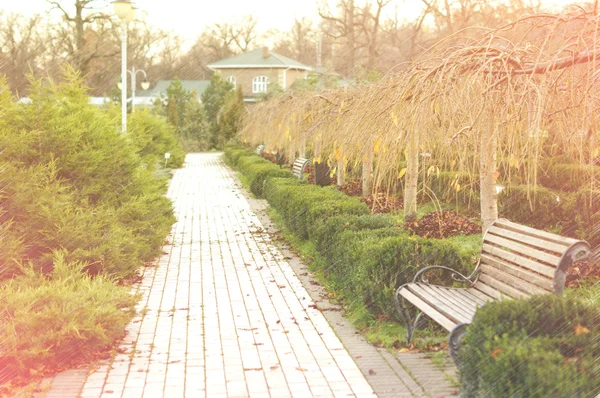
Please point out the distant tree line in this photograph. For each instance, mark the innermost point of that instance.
(355, 38)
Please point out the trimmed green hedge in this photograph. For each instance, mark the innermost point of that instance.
(543, 211)
(567, 177)
(365, 257)
(304, 207)
(258, 170)
(546, 346)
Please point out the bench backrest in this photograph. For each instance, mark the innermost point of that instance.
(260, 149)
(299, 166)
(519, 261)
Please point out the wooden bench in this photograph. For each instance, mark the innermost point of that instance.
(299, 166)
(515, 262)
(260, 149)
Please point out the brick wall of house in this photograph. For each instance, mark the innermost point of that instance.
(244, 77)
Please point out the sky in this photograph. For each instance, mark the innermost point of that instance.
(187, 18)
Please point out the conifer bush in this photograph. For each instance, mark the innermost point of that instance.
(73, 181)
(80, 207)
(53, 321)
(152, 137)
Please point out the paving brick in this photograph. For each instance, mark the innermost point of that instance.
(225, 315)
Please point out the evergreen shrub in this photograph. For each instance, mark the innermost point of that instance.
(60, 318)
(538, 207)
(152, 137)
(73, 181)
(567, 177)
(545, 346)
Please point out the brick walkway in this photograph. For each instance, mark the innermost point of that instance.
(224, 315)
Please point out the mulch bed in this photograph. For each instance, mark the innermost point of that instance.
(310, 169)
(352, 188)
(379, 202)
(582, 271)
(269, 156)
(382, 203)
(444, 224)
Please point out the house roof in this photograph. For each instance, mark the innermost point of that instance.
(161, 87)
(255, 59)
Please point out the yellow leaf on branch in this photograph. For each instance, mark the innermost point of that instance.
(401, 173)
(496, 175)
(377, 145)
(579, 329)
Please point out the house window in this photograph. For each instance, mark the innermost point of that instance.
(231, 79)
(259, 84)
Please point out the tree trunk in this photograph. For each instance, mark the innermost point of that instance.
(303, 146)
(412, 178)
(351, 37)
(487, 178)
(341, 169)
(367, 172)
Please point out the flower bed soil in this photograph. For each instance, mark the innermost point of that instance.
(444, 224)
(583, 271)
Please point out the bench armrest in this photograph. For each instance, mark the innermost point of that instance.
(457, 276)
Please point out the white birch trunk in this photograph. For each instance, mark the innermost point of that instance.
(487, 181)
(412, 177)
(340, 170)
(367, 172)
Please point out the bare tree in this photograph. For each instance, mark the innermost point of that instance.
(370, 25)
(343, 27)
(83, 36)
(244, 32)
(299, 43)
(21, 48)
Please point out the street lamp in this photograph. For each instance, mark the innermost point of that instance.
(145, 84)
(125, 11)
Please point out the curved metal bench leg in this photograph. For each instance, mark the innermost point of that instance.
(410, 324)
(454, 340)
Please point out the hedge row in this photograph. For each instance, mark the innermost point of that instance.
(545, 346)
(568, 213)
(365, 257)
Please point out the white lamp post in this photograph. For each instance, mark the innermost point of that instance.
(125, 11)
(145, 84)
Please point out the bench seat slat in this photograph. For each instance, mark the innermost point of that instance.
(442, 305)
(518, 259)
(522, 273)
(523, 249)
(428, 309)
(488, 291)
(464, 296)
(502, 287)
(512, 281)
(530, 240)
(477, 293)
(299, 166)
(561, 240)
(463, 309)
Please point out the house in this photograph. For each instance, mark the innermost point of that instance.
(256, 70)
(147, 97)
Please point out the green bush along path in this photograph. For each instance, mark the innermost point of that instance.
(82, 207)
